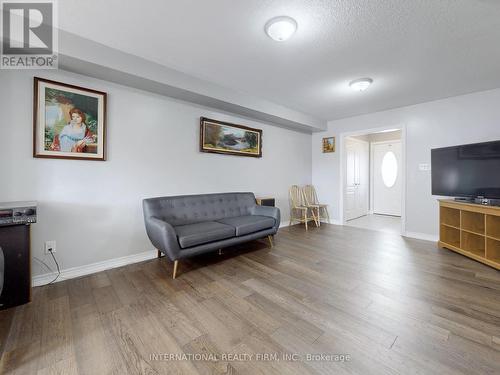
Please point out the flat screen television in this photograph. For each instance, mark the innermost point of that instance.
(468, 171)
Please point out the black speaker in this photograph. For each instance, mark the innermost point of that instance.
(15, 269)
(2, 270)
(265, 201)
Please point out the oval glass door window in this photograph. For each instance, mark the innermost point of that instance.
(389, 169)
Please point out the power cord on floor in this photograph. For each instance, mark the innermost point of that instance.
(50, 269)
(57, 265)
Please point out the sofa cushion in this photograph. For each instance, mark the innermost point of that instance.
(248, 224)
(200, 233)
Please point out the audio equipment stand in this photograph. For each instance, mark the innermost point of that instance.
(15, 249)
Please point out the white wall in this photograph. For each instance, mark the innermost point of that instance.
(380, 137)
(93, 209)
(458, 120)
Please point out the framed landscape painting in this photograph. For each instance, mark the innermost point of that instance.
(329, 144)
(225, 138)
(68, 121)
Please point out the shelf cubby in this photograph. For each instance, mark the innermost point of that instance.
(473, 243)
(450, 216)
(493, 226)
(450, 235)
(473, 222)
(493, 250)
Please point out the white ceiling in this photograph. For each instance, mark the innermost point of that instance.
(415, 50)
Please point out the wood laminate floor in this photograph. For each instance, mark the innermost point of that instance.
(390, 305)
(383, 223)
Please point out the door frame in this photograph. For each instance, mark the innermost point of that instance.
(372, 171)
(342, 175)
(369, 173)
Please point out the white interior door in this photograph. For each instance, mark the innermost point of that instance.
(357, 178)
(387, 178)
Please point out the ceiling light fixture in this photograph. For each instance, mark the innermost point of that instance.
(281, 28)
(389, 130)
(360, 84)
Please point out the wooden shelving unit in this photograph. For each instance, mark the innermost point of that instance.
(471, 230)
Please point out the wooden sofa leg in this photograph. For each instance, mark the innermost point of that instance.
(174, 274)
(159, 253)
(270, 239)
(220, 251)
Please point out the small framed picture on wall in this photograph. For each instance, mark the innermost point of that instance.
(328, 144)
(69, 122)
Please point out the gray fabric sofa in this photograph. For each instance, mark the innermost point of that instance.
(188, 225)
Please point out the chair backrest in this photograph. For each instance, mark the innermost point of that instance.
(296, 197)
(189, 209)
(309, 193)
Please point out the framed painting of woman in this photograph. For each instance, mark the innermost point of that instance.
(69, 122)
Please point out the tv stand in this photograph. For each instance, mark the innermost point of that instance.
(470, 229)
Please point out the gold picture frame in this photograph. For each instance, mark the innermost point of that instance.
(225, 138)
(328, 144)
(69, 122)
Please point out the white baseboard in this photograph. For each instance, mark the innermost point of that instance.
(88, 269)
(422, 236)
(287, 224)
(332, 221)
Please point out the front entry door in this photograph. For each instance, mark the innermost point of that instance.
(387, 178)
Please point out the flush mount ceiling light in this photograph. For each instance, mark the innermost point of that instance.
(388, 130)
(281, 28)
(360, 84)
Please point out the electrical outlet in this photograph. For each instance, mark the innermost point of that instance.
(50, 245)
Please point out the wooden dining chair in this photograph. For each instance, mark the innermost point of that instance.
(298, 209)
(311, 202)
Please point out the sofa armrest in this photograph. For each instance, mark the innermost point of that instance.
(163, 237)
(273, 212)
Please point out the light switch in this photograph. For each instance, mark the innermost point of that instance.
(424, 167)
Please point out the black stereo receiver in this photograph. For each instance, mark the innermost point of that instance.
(14, 213)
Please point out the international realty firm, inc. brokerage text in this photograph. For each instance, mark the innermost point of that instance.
(247, 357)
